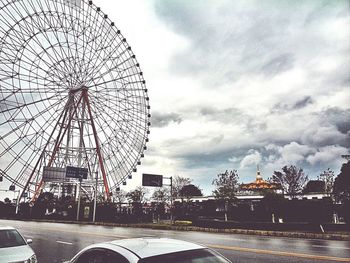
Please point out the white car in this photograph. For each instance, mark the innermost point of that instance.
(14, 248)
(147, 250)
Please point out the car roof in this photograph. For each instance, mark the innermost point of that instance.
(6, 228)
(148, 247)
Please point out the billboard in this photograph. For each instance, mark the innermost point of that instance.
(53, 174)
(76, 172)
(155, 180)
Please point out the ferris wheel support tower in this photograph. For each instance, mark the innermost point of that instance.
(71, 110)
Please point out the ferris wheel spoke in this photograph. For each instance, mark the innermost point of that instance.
(18, 106)
(30, 27)
(111, 58)
(58, 19)
(116, 70)
(96, 66)
(29, 120)
(30, 36)
(103, 106)
(96, 32)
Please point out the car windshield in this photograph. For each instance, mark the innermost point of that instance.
(11, 238)
(193, 256)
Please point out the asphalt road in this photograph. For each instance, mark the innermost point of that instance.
(55, 242)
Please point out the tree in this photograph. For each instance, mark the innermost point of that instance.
(120, 197)
(178, 183)
(226, 185)
(342, 183)
(342, 190)
(226, 188)
(292, 180)
(327, 177)
(161, 195)
(315, 186)
(190, 191)
(137, 195)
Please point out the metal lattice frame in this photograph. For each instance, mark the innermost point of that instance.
(70, 86)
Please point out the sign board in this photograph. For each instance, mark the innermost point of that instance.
(76, 172)
(53, 174)
(155, 180)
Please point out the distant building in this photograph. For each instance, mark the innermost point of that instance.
(259, 184)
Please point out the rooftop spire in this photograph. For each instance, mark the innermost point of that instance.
(258, 176)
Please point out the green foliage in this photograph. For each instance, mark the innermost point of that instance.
(178, 183)
(190, 190)
(292, 180)
(327, 177)
(119, 196)
(226, 185)
(137, 195)
(161, 195)
(315, 186)
(342, 183)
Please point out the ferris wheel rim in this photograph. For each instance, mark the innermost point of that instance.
(103, 109)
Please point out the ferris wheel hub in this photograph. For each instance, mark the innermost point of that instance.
(78, 88)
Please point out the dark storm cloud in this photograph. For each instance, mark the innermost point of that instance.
(212, 159)
(164, 119)
(339, 117)
(234, 116)
(290, 106)
(222, 115)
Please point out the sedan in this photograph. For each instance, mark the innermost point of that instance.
(14, 248)
(148, 250)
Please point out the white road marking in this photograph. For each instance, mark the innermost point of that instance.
(331, 247)
(62, 242)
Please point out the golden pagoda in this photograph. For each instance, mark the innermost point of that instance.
(259, 184)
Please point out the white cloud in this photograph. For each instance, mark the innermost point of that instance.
(328, 154)
(294, 152)
(253, 158)
(322, 135)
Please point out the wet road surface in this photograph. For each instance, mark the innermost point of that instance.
(56, 242)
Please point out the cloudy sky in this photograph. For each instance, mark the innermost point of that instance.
(234, 84)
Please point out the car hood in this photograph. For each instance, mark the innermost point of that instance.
(15, 254)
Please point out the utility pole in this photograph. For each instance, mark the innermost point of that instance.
(95, 199)
(171, 201)
(171, 198)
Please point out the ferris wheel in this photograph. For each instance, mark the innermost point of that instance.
(71, 94)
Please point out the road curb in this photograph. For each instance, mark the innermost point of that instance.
(308, 235)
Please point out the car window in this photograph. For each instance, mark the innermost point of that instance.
(101, 256)
(192, 256)
(11, 238)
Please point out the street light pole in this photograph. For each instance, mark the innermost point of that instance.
(78, 209)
